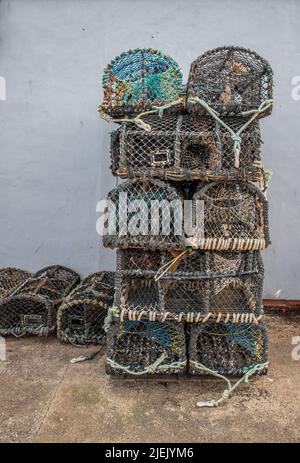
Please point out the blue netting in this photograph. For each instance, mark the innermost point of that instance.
(156, 331)
(243, 335)
(139, 78)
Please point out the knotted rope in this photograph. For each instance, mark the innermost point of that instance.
(235, 136)
(153, 368)
(249, 371)
(137, 120)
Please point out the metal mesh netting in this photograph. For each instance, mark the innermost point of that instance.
(235, 217)
(139, 261)
(143, 213)
(10, 278)
(143, 347)
(138, 80)
(231, 298)
(191, 286)
(80, 319)
(229, 349)
(216, 263)
(231, 80)
(138, 294)
(182, 148)
(191, 263)
(185, 297)
(237, 295)
(31, 307)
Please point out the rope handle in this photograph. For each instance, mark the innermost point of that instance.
(248, 372)
(235, 136)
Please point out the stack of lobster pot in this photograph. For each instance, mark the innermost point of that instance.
(191, 217)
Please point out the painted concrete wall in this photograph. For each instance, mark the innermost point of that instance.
(54, 160)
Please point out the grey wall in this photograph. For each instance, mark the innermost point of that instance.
(54, 163)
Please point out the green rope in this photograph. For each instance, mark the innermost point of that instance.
(153, 368)
(267, 176)
(235, 136)
(126, 369)
(249, 371)
(174, 365)
(109, 318)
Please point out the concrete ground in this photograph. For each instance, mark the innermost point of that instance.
(45, 398)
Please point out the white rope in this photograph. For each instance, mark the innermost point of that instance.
(191, 317)
(235, 136)
(137, 120)
(230, 388)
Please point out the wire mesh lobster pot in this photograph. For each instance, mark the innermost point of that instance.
(235, 216)
(10, 278)
(31, 308)
(231, 80)
(228, 348)
(144, 213)
(139, 80)
(146, 348)
(184, 148)
(80, 318)
(189, 286)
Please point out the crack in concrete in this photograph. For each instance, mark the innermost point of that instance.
(51, 402)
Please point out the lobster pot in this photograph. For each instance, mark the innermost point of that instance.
(227, 348)
(231, 80)
(230, 216)
(139, 80)
(31, 308)
(191, 286)
(80, 318)
(146, 348)
(183, 148)
(144, 213)
(10, 278)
